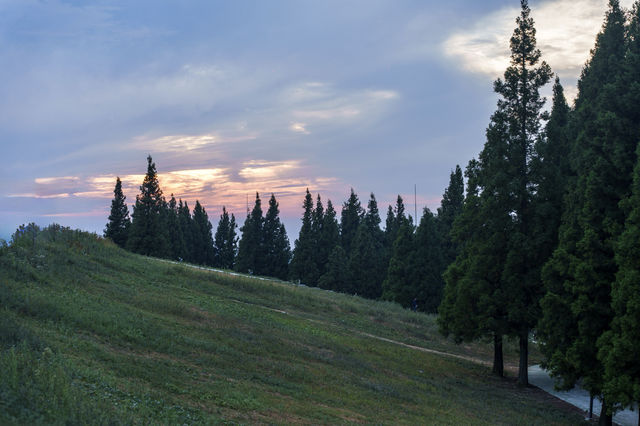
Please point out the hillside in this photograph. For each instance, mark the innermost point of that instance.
(90, 333)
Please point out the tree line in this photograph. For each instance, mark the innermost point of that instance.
(548, 237)
(350, 254)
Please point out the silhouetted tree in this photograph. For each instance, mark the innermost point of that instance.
(118, 227)
(148, 234)
(225, 241)
(250, 248)
(276, 243)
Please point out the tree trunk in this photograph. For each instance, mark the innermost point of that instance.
(498, 361)
(590, 406)
(605, 419)
(523, 367)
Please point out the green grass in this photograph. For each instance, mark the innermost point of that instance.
(92, 334)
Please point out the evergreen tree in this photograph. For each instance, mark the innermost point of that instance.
(521, 104)
(250, 248)
(303, 265)
(203, 253)
(176, 239)
(186, 230)
(317, 222)
(336, 276)
(619, 347)
(225, 241)
(118, 227)
(148, 235)
(427, 264)
(579, 275)
(399, 284)
(475, 300)
(551, 171)
(352, 213)
(366, 261)
(395, 219)
(276, 243)
(329, 238)
(450, 208)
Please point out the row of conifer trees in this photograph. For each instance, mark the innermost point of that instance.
(403, 263)
(549, 235)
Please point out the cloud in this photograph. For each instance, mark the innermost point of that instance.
(299, 128)
(565, 31)
(214, 187)
(316, 103)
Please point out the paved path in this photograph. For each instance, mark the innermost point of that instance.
(577, 396)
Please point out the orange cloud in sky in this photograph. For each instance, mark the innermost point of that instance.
(213, 187)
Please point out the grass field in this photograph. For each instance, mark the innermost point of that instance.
(92, 334)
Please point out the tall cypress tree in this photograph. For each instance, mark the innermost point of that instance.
(521, 103)
(400, 282)
(351, 215)
(148, 234)
(203, 253)
(317, 223)
(118, 227)
(329, 238)
(619, 347)
(225, 241)
(395, 219)
(186, 229)
(579, 275)
(505, 204)
(450, 208)
(176, 238)
(427, 262)
(250, 248)
(475, 300)
(303, 266)
(366, 261)
(277, 250)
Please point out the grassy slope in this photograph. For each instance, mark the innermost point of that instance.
(90, 333)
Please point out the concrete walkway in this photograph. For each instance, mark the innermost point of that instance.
(577, 397)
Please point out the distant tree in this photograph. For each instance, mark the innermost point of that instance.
(176, 238)
(276, 243)
(328, 240)
(352, 213)
(225, 241)
(450, 208)
(366, 261)
(390, 231)
(395, 219)
(185, 223)
(427, 264)
(400, 282)
(118, 227)
(250, 248)
(474, 299)
(336, 276)
(303, 265)
(148, 235)
(203, 253)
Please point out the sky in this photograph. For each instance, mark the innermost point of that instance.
(231, 98)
